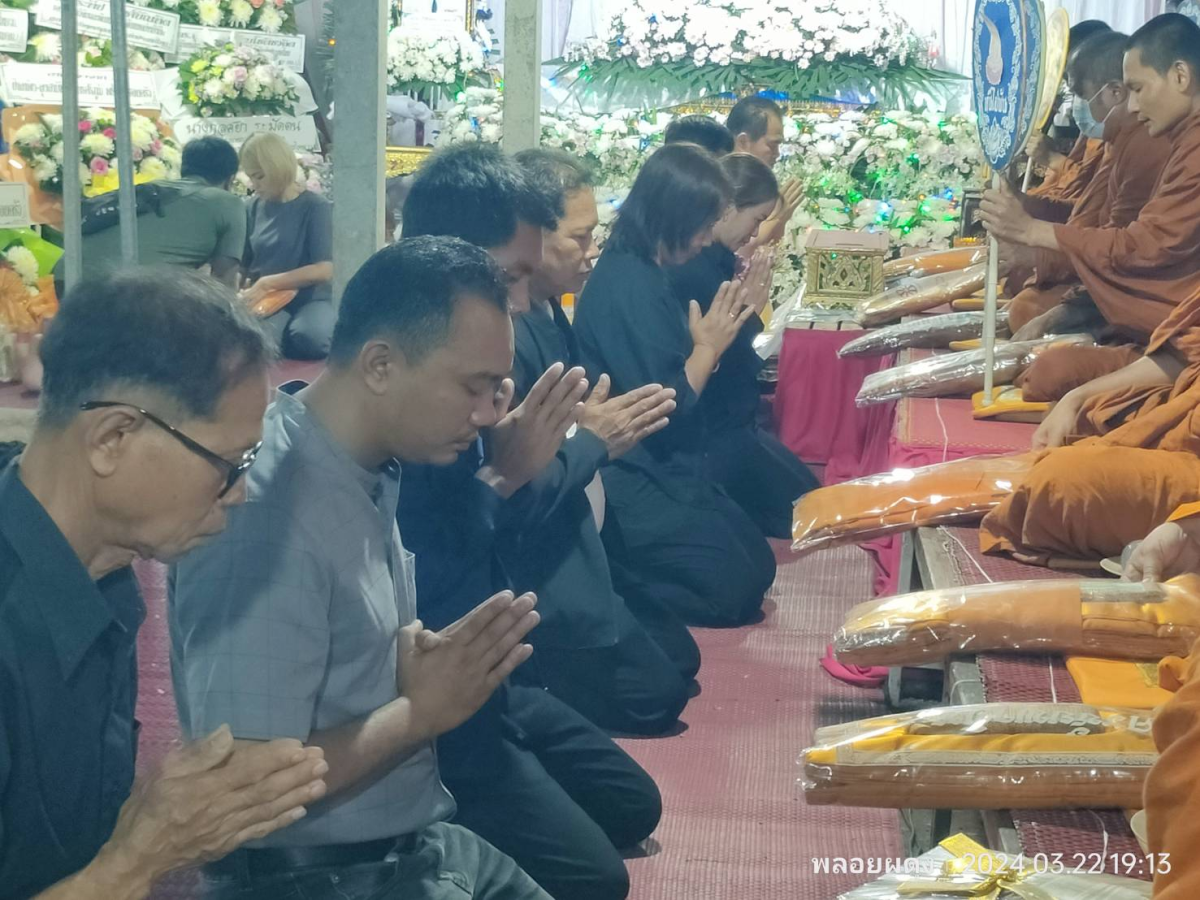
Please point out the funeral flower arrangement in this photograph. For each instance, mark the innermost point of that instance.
(897, 171)
(260, 15)
(810, 48)
(156, 155)
(46, 47)
(420, 62)
(235, 81)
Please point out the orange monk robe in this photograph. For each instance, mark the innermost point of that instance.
(1137, 275)
(1172, 792)
(1067, 181)
(1135, 457)
(1123, 183)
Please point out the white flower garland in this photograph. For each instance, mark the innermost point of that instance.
(721, 32)
(417, 60)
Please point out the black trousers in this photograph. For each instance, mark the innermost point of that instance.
(761, 475)
(707, 562)
(632, 686)
(554, 793)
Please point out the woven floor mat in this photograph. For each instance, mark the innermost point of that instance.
(735, 825)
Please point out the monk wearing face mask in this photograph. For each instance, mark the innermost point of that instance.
(1136, 274)
(1132, 163)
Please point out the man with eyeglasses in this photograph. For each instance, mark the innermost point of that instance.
(151, 411)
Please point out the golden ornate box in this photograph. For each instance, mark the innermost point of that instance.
(843, 268)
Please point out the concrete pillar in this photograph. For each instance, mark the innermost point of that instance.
(522, 74)
(359, 127)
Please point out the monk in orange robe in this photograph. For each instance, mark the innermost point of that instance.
(1135, 275)
(1125, 180)
(1134, 456)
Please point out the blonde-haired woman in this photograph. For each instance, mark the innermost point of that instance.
(289, 247)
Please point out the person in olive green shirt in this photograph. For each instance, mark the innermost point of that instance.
(201, 222)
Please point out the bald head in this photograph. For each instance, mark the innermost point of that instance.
(1162, 71)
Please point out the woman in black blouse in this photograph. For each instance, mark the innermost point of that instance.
(756, 470)
(676, 529)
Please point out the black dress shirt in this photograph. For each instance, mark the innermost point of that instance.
(68, 686)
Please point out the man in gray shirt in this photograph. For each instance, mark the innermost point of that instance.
(201, 223)
(300, 620)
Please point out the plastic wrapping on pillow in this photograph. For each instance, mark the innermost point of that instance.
(1110, 619)
(984, 756)
(904, 499)
(956, 374)
(959, 867)
(932, 332)
(936, 262)
(917, 295)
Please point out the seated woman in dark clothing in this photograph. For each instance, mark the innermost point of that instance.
(289, 247)
(675, 526)
(756, 470)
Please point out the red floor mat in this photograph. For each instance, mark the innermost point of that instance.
(735, 825)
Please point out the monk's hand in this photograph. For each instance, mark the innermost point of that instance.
(1059, 424)
(447, 675)
(206, 800)
(525, 440)
(1169, 550)
(717, 328)
(1015, 256)
(625, 421)
(1004, 217)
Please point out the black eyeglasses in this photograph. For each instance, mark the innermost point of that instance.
(232, 471)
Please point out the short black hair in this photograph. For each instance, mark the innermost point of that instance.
(704, 131)
(751, 116)
(475, 192)
(680, 190)
(1166, 40)
(211, 158)
(1082, 31)
(1097, 62)
(556, 171)
(408, 291)
(164, 329)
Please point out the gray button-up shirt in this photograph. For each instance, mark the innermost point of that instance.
(286, 624)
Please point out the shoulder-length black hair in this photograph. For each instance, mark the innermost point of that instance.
(680, 191)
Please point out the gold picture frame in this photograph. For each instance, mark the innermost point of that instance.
(468, 20)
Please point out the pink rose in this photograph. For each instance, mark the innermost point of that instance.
(156, 147)
(240, 74)
(110, 133)
(280, 3)
(85, 126)
(256, 3)
(137, 155)
(99, 166)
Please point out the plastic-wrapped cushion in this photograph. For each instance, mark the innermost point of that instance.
(904, 499)
(1093, 618)
(955, 374)
(915, 295)
(933, 332)
(985, 756)
(935, 262)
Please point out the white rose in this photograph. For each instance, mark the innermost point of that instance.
(213, 89)
(58, 153)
